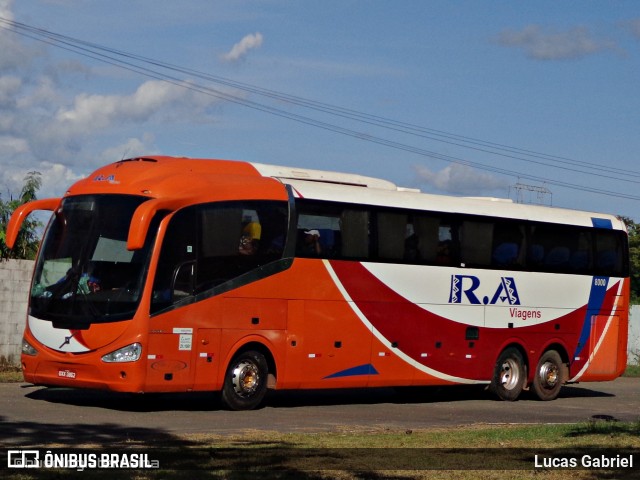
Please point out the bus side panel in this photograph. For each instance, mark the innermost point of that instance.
(325, 345)
(390, 368)
(608, 332)
(176, 340)
(604, 331)
(605, 347)
(335, 346)
(206, 359)
(290, 375)
(169, 360)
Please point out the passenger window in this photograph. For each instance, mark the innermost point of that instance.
(429, 240)
(446, 254)
(561, 249)
(609, 253)
(581, 258)
(355, 233)
(208, 245)
(507, 250)
(318, 235)
(393, 236)
(332, 231)
(238, 237)
(476, 240)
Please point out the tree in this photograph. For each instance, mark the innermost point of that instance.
(26, 245)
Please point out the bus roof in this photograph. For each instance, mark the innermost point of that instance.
(482, 206)
(344, 187)
(163, 177)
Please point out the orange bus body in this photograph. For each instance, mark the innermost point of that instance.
(332, 322)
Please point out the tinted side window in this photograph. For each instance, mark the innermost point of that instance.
(508, 249)
(328, 230)
(610, 247)
(476, 239)
(332, 230)
(415, 237)
(551, 247)
(237, 237)
(174, 278)
(207, 245)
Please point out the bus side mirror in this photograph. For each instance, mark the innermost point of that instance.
(22, 212)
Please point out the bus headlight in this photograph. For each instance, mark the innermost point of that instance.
(28, 349)
(130, 353)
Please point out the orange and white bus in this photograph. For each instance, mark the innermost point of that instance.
(163, 274)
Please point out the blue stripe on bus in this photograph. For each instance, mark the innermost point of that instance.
(601, 223)
(596, 299)
(366, 369)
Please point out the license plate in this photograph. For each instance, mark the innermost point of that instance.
(66, 373)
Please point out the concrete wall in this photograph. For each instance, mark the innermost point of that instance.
(15, 280)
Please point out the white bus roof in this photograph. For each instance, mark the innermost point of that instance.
(441, 203)
(322, 176)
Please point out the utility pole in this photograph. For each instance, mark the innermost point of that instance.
(525, 193)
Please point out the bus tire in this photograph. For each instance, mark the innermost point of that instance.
(245, 383)
(509, 375)
(548, 378)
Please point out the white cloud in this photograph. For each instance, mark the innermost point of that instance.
(15, 54)
(133, 147)
(538, 44)
(92, 112)
(9, 87)
(43, 96)
(6, 9)
(13, 144)
(459, 179)
(55, 179)
(240, 49)
(57, 119)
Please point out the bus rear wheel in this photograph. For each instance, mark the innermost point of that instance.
(509, 375)
(245, 383)
(548, 379)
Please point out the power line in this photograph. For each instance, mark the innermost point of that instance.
(142, 65)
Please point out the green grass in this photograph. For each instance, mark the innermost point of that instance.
(632, 371)
(316, 456)
(10, 373)
(594, 433)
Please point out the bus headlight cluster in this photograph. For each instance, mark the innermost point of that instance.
(28, 349)
(130, 353)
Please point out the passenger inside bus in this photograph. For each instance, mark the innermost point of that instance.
(310, 245)
(250, 239)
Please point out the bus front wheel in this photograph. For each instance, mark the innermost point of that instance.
(245, 383)
(548, 378)
(509, 375)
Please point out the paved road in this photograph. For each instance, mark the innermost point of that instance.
(31, 416)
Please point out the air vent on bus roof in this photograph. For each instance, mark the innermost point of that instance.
(322, 176)
(138, 159)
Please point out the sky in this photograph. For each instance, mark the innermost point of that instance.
(536, 101)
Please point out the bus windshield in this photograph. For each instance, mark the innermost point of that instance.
(84, 273)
